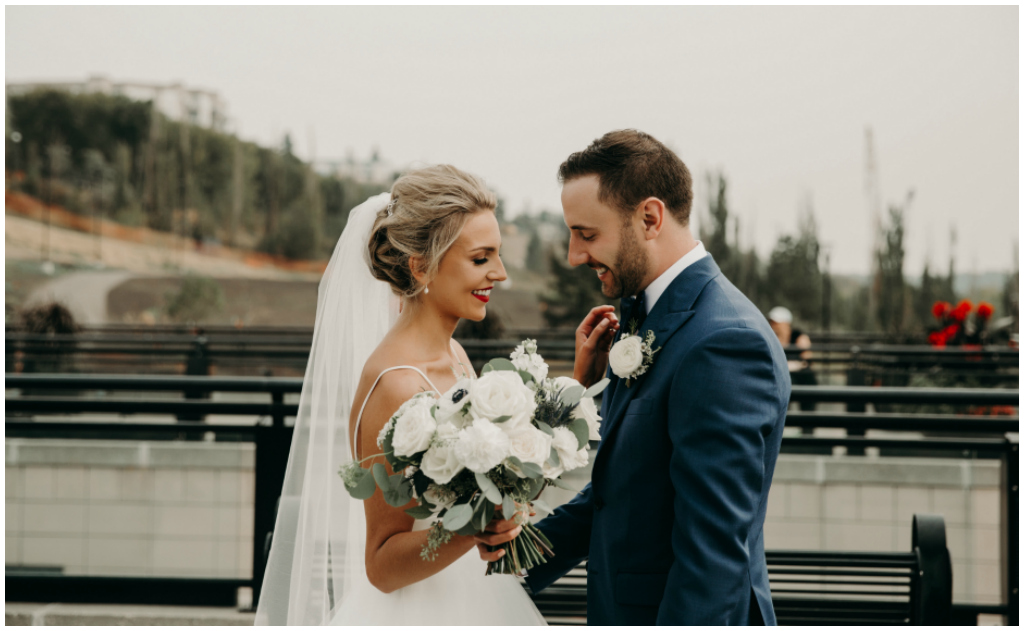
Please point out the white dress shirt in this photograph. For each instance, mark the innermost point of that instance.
(661, 283)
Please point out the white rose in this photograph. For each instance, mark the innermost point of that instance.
(529, 444)
(414, 428)
(551, 472)
(533, 364)
(626, 356)
(451, 403)
(565, 443)
(440, 463)
(587, 410)
(482, 445)
(502, 393)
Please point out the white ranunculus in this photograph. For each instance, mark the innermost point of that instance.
(481, 446)
(529, 444)
(533, 364)
(587, 410)
(502, 393)
(414, 428)
(565, 443)
(440, 463)
(626, 356)
(451, 403)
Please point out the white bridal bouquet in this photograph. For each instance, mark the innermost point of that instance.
(488, 444)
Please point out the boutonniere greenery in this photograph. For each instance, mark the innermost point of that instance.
(632, 355)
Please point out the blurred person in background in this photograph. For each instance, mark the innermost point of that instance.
(781, 321)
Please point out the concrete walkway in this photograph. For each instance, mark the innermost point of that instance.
(57, 614)
(84, 293)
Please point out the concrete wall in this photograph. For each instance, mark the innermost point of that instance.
(128, 508)
(185, 508)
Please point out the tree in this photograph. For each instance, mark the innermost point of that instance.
(572, 292)
(793, 277)
(535, 260)
(892, 295)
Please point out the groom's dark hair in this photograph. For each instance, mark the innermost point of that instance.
(632, 166)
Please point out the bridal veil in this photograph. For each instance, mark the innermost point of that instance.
(317, 553)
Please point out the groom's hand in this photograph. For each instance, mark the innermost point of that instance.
(594, 339)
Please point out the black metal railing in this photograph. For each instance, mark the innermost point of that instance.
(987, 438)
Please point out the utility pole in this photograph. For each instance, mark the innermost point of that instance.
(873, 204)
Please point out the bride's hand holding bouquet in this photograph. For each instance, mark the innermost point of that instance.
(485, 449)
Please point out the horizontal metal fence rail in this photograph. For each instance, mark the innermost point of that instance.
(273, 442)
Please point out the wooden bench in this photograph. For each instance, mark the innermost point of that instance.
(825, 588)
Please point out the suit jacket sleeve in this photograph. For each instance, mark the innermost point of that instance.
(723, 403)
(568, 527)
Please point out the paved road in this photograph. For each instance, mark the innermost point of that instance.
(84, 293)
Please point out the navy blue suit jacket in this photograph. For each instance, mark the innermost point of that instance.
(672, 521)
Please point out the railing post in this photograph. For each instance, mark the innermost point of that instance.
(855, 376)
(272, 446)
(197, 364)
(1011, 530)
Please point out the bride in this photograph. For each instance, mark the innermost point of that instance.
(408, 266)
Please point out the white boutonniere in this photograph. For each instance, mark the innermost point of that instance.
(632, 356)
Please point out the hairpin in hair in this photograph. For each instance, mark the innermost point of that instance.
(391, 206)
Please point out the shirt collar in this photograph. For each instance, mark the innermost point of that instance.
(661, 283)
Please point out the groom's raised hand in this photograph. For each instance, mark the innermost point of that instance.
(594, 339)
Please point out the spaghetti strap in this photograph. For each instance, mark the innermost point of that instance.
(355, 433)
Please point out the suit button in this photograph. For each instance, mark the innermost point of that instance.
(598, 504)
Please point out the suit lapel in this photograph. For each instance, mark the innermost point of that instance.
(671, 312)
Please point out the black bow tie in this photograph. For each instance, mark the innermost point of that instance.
(633, 310)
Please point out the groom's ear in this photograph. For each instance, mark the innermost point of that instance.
(654, 214)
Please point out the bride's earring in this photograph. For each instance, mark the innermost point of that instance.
(426, 290)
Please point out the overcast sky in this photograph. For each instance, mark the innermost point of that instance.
(776, 98)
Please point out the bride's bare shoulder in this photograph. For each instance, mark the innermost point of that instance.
(394, 386)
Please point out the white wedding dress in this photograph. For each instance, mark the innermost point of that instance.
(315, 573)
(460, 594)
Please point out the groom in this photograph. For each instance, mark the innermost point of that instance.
(671, 524)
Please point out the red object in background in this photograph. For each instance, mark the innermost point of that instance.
(950, 331)
(937, 338)
(985, 310)
(940, 309)
(962, 310)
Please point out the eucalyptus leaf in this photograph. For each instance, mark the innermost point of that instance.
(457, 517)
(482, 514)
(571, 396)
(501, 419)
(597, 388)
(500, 363)
(489, 489)
(580, 428)
(553, 458)
(518, 464)
(539, 503)
(544, 427)
(531, 470)
(527, 377)
(419, 512)
(508, 507)
(364, 487)
(380, 475)
(561, 484)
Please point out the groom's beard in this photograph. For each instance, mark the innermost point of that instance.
(631, 266)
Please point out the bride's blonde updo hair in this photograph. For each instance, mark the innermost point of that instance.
(428, 210)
